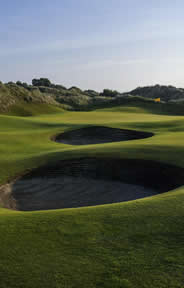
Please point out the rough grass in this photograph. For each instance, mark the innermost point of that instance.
(32, 109)
(134, 244)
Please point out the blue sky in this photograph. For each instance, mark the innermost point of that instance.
(93, 44)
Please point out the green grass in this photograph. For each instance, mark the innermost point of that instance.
(133, 244)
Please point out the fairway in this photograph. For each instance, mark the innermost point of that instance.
(122, 245)
(91, 144)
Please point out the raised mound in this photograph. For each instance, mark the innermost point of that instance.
(99, 134)
(88, 182)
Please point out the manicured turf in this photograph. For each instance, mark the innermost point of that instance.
(134, 244)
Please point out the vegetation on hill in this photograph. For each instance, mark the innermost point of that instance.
(14, 99)
(165, 93)
(43, 97)
(42, 91)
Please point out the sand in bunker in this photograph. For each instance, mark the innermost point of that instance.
(70, 192)
(99, 135)
(88, 182)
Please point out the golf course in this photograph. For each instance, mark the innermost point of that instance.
(82, 228)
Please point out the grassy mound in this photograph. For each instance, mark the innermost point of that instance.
(18, 101)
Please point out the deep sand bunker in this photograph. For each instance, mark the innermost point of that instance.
(98, 135)
(88, 182)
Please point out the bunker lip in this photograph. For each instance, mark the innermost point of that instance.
(98, 135)
(90, 182)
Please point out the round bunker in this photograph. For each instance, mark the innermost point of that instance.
(99, 134)
(89, 182)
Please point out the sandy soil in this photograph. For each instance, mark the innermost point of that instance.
(6, 197)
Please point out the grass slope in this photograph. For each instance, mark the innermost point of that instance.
(32, 109)
(134, 244)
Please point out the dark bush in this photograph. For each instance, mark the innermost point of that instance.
(41, 82)
(109, 93)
